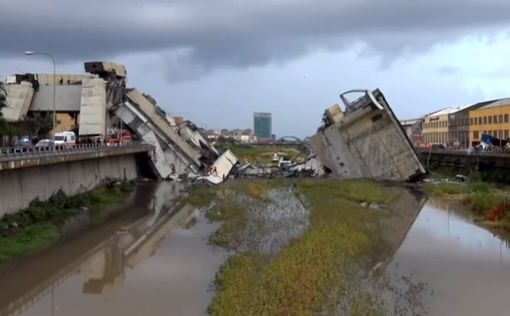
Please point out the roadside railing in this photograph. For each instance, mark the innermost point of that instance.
(465, 151)
(16, 153)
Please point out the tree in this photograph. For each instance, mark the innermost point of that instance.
(41, 125)
(4, 127)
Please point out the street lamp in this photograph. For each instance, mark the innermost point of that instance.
(30, 53)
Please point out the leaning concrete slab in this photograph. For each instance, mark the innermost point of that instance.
(366, 141)
(150, 112)
(19, 98)
(93, 107)
(221, 168)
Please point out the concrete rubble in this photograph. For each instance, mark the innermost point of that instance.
(102, 102)
(365, 141)
(310, 167)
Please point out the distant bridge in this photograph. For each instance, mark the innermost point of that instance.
(290, 139)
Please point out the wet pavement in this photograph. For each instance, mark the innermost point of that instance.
(465, 268)
(155, 262)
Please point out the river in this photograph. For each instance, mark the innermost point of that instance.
(149, 258)
(465, 268)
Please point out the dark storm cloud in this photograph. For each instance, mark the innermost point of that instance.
(235, 33)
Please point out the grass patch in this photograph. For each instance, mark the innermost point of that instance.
(200, 197)
(307, 276)
(257, 189)
(36, 227)
(488, 202)
(442, 189)
(233, 215)
(28, 241)
(356, 190)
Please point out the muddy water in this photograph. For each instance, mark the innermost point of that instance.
(151, 259)
(465, 269)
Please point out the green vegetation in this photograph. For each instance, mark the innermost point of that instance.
(442, 189)
(309, 274)
(28, 241)
(4, 127)
(36, 227)
(488, 202)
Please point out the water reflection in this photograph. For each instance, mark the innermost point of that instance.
(465, 266)
(131, 268)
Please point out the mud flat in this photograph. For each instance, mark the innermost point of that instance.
(305, 246)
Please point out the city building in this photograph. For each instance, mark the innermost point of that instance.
(262, 125)
(492, 119)
(458, 125)
(435, 127)
(413, 130)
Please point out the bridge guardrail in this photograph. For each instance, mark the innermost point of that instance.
(16, 153)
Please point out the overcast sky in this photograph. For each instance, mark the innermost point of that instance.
(217, 62)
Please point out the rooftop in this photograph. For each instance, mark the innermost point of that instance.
(496, 103)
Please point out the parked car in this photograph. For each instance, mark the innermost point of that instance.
(44, 144)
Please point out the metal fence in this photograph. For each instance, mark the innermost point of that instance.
(493, 152)
(17, 153)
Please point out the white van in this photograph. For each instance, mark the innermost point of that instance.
(65, 139)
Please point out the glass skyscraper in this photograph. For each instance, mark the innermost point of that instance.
(262, 125)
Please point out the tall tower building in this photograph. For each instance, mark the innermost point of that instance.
(262, 125)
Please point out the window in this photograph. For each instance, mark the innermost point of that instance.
(475, 135)
(495, 119)
(500, 118)
(506, 118)
(485, 120)
(506, 133)
(480, 120)
(490, 119)
(471, 121)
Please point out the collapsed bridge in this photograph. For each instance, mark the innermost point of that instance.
(100, 103)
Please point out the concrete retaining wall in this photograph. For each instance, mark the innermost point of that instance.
(18, 187)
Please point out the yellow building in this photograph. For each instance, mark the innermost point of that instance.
(435, 127)
(492, 119)
(65, 122)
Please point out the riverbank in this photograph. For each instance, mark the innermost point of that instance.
(303, 246)
(487, 203)
(38, 226)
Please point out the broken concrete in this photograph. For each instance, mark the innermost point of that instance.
(93, 107)
(366, 141)
(221, 168)
(19, 97)
(104, 104)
